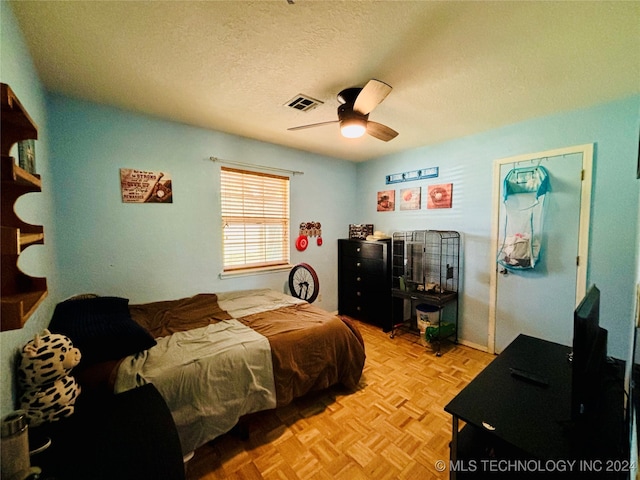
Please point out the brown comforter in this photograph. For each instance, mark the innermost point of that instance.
(310, 348)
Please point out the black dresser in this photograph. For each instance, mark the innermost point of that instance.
(364, 281)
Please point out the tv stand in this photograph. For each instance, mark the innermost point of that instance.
(529, 427)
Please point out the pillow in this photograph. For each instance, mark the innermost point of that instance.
(101, 327)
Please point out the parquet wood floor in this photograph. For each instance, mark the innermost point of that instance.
(393, 427)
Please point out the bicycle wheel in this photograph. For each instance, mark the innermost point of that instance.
(304, 283)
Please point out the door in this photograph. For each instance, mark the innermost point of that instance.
(540, 301)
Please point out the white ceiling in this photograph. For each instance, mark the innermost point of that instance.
(456, 67)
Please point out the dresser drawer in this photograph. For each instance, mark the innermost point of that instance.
(366, 266)
(359, 249)
(367, 308)
(350, 307)
(352, 281)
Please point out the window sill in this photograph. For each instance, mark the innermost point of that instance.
(255, 271)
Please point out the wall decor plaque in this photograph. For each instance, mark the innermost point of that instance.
(142, 186)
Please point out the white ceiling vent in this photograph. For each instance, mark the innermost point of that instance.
(303, 103)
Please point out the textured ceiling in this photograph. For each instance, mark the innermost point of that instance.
(457, 68)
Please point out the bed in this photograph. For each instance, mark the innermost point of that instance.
(213, 357)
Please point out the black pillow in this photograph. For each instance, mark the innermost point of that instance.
(101, 327)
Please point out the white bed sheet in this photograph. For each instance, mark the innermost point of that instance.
(192, 371)
(242, 303)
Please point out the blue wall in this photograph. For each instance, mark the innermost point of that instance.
(468, 164)
(148, 252)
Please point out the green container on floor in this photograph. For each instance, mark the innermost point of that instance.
(442, 331)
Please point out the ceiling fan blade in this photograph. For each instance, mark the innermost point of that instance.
(371, 95)
(381, 132)
(302, 127)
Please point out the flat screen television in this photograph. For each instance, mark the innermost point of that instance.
(633, 406)
(588, 356)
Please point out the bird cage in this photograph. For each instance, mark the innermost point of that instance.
(426, 261)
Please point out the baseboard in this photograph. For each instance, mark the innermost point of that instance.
(475, 346)
(466, 343)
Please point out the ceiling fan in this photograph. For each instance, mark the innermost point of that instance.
(353, 113)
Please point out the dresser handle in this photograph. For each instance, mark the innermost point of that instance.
(358, 308)
(359, 294)
(358, 279)
(358, 249)
(358, 264)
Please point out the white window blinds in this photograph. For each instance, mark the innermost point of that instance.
(255, 219)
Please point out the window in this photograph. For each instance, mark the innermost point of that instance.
(255, 219)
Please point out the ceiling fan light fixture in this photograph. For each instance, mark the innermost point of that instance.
(353, 112)
(353, 127)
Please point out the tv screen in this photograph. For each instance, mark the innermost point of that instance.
(589, 355)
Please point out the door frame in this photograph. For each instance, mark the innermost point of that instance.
(583, 230)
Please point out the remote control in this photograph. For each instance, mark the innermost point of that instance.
(529, 377)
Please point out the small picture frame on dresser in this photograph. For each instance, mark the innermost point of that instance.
(27, 155)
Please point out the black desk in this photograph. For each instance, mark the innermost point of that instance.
(533, 421)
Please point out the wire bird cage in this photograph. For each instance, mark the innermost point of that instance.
(426, 260)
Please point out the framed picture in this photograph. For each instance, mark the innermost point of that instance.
(410, 199)
(386, 201)
(439, 196)
(141, 186)
(27, 155)
(430, 172)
